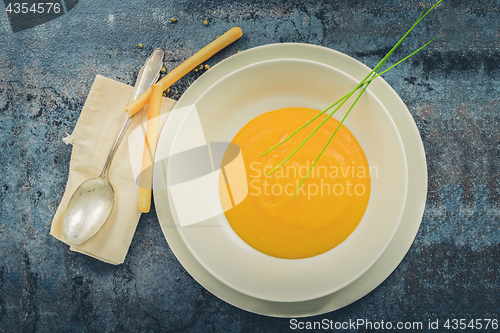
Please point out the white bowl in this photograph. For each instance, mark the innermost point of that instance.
(223, 110)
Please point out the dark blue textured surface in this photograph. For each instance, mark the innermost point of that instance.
(452, 90)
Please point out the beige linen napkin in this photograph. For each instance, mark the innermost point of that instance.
(92, 138)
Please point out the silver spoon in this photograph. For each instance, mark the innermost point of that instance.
(93, 201)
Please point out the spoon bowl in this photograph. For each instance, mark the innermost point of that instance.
(88, 209)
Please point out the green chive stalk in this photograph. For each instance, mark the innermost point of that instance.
(374, 73)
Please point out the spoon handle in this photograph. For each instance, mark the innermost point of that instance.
(148, 75)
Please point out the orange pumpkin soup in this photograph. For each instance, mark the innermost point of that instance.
(329, 205)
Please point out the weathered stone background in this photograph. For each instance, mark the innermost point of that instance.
(452, 90)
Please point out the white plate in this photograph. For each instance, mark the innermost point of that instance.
(417, 185)
(219, 114)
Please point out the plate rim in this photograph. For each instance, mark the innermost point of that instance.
(397, 249)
